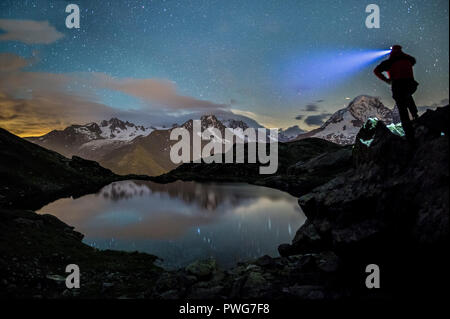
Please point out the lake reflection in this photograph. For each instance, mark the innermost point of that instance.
(184, 221)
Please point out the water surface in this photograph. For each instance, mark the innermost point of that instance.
(184, 221)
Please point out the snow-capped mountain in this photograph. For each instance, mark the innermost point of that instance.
(211, 121)
(125, 147)
(207, 121)
(233, 120)
(343, 126)
(289, 134)
(116, 129)
(234, 124)
(151, 154)
(82, 139)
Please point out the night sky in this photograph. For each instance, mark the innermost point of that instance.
(154, 62)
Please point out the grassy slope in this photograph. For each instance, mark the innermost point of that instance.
(147, 155)
(138, 159)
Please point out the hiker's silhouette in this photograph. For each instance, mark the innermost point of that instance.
(399, 67)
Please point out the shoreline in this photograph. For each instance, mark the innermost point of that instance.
(173, 268)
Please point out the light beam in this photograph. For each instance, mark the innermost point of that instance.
(324, 69)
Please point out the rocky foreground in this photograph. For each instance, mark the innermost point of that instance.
(389, 207)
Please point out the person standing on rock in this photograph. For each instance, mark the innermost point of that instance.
(399, 67)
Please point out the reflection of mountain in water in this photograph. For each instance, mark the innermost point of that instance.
(206, 196)
(184, 221)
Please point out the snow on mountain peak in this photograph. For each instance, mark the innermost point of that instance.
(210, 121)
(364, 106)
(116, 129)
(234, 124)
(285, 135)
(343, 126)
(112, 130)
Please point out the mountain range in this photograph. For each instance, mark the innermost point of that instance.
(123, 146)
(126, 148)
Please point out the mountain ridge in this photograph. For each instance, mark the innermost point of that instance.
(343, 125)
(126, 148)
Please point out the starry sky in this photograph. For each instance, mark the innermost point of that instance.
(158, 62)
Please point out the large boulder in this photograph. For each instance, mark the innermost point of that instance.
(202, 269)
(329, 161)
(395, 191)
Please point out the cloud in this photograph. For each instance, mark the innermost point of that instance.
(319, 119)
(47, 111)
(29, 31)
(264, 120)
(30, 83)
(161, 93)
(11, 62)
(33, 103)
(245, 113)
(8, 118)
(311, 107)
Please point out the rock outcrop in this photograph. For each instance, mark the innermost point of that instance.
(392, 187)
(392, 206)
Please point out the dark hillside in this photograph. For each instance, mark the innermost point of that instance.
(31, 176)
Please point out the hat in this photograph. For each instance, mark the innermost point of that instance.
(396, 47)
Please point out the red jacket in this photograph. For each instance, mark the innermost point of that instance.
(398, 66)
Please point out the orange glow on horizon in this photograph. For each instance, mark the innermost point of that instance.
(28, 132)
